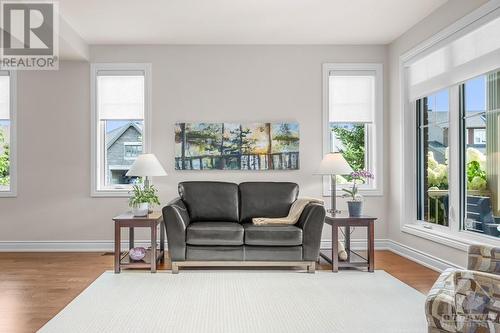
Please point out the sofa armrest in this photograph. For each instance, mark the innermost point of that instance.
(484, 258)
(311, 222)
(176, 219)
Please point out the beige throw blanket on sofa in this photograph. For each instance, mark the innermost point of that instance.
(293, 217)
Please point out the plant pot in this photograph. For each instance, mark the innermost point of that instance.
(355, 208)
(141, 209)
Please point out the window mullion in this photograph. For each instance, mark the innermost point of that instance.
(454, 160)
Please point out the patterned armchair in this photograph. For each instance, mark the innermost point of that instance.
(467, 301)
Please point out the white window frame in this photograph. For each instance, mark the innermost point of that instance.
(453, 235)
(374, 153)
(12, 192)
(119, 68)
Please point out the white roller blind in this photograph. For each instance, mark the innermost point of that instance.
(352, 97)
(120, 97)
(4, 97)
(471, 54)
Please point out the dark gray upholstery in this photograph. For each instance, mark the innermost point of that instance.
(210, 201)
(176, 219)
(272, 235)
(203, 225)
(311, 222)
(214, 233)
(215, 253)
(266, 199)
(273, 253)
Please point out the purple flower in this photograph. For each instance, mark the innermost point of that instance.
(362, 174)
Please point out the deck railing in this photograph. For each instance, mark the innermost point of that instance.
(283, 161)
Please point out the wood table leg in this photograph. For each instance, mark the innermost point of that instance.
(335, 249)
(347, 243)
(371, 247)
(117, 247)
(130, 238)
(153, 248)
(162, 241)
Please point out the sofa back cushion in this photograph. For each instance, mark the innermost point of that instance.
(266, 199)
(210, 201)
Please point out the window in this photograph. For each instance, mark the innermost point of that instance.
(480, 122)
(353, 120)
(119, 125)
(7, 135)
(131, 150)
(450, 151)
(432, 117)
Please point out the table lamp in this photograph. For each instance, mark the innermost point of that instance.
(146, 165)
(334, 164)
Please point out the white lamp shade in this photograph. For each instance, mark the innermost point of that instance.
(334, 164)
(146, 165)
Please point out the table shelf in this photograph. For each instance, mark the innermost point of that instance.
(144, 262)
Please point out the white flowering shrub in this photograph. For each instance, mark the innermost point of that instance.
(437, 174)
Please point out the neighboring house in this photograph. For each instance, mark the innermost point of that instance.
(123, 145)
(438, 133)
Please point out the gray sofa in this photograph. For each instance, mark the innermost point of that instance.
(210, 224)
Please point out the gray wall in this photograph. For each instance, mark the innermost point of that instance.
(190, 83)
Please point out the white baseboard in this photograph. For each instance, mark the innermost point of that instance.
(417, 256)
(412, 254)
(66, 246)
(108, 245)
(420, 257)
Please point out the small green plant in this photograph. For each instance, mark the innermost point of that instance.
(146, 194)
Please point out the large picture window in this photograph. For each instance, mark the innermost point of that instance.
(450, 151)
(7, 135)
(480, 133)
(353, 119)
(119, 125)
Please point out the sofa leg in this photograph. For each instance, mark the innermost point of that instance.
(175, 268)
(311, 268)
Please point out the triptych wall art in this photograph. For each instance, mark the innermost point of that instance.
(232, 146)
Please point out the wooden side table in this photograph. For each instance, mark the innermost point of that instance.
(354, 259)
(153, 255)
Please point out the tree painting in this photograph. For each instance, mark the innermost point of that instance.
(235, 146)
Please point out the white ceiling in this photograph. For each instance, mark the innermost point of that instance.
(244, 21)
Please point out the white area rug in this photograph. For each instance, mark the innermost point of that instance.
(244, 301)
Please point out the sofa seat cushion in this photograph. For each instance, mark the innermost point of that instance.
(272, 235)
(214, 233)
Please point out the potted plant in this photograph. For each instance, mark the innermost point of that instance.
(354, 204)
(142, 199)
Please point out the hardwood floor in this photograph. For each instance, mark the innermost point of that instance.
(34, 287)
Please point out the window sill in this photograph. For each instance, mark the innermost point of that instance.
(459, 242)
(122, 193)
(8, 194)
(364, 193)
